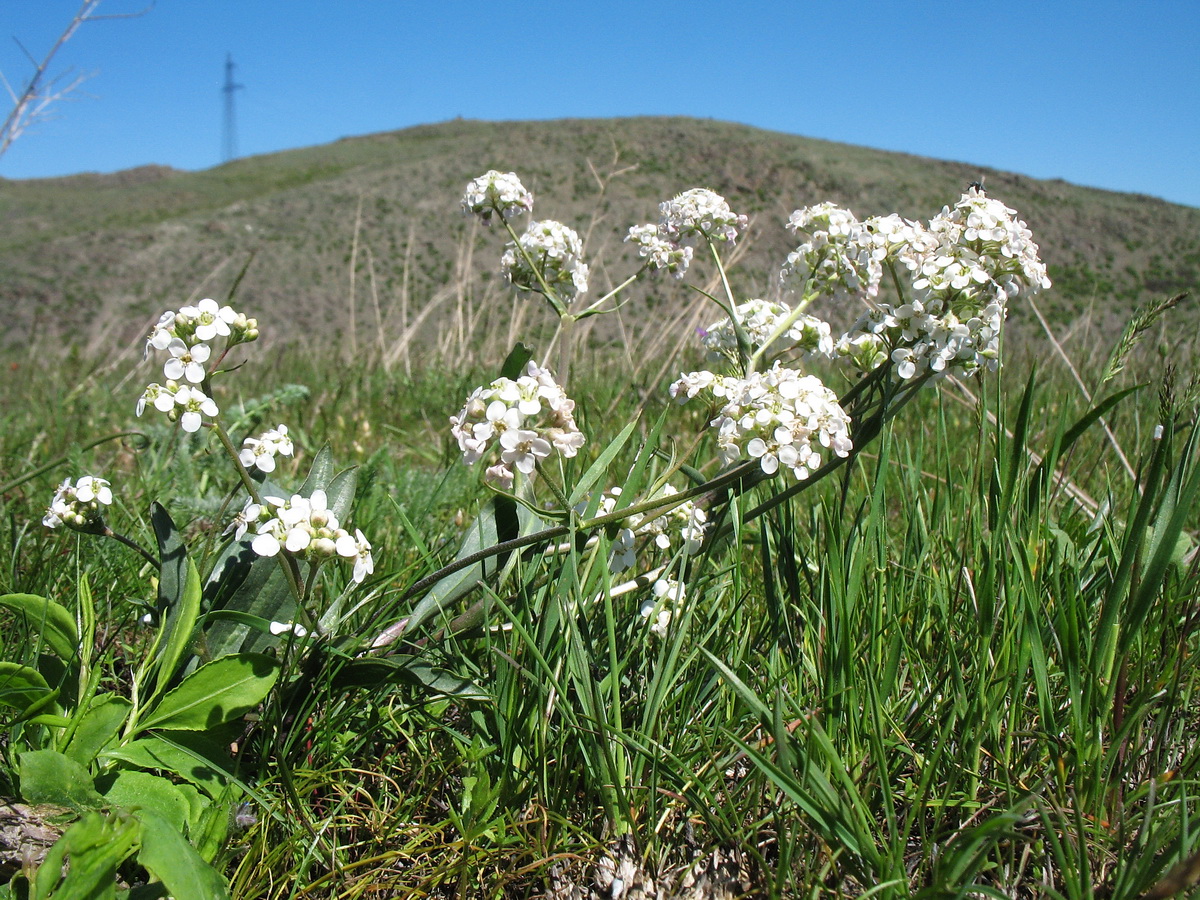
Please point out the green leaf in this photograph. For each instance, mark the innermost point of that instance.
(219, 692)
(515, 362)
(56, 625)
(21, 687)
(198, 758)
(96, 846)
(597, 469)
(242, 582)
(134, 791)
(48, 776)
(172, 860)
(492, 526)
(99, 726)
(178, 597)
(370, 672)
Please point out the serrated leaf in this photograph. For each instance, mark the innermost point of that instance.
(216, 693)
(56, 625)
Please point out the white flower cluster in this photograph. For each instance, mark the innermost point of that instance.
(686, 521)
(78, 505)
(666, 594)
(700, 213)
(780, 417)
(557, 253)
(304, 527)
(496, 192)
(183, 402)
(260, 452)
(836, 261)
(759, 320)
(662, 253)
(530, 418)
(185, 334)
(964, 268)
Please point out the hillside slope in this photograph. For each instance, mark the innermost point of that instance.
(94, 258)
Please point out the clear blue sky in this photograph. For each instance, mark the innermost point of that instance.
(1102, 93)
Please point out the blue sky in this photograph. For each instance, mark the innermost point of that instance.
(1101, 93)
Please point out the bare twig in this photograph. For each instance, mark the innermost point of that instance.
(33, 102)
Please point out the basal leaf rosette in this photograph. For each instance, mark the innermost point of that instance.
(780, 417)
(528, 420)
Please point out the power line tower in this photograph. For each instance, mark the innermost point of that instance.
(229, 131)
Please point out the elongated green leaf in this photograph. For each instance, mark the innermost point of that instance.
(100, 724)
(21, 687)
(376, 672)
(245, 583)
(597, 469)
(178, 597)
(96, 846)
(197, 757)
(319, 473)
(56, 625)
(514, 363)
(50, 777)
(490, 528)
(340, 493)
(216, 693)
(173, 861)
(134, 791)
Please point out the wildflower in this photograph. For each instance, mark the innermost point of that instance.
(779, 417)
(837, 259)
(260, 452)
(530, 418)
(659, 250)
(555, 251)
(161, 335)
(241, 523)
(186, 362)
(496, 192)
(206, 320)
(307, 528)
(760, 319)
(700, 213)
(278, 628)
(161, 397)
(665, 592)
(195, 404)
(77, 506)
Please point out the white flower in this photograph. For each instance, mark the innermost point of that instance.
(306, 527)
(278, 628)
(77, 506)
(837, 260)
(666, 593)
(530, 418)
(555, 251)
(208, 320)
(660, 251)
(195, 405)
(700, 213)
(779, 417)
(186, 362)
(161, 334)
(497, 192)
(260, 452)
(760, 319)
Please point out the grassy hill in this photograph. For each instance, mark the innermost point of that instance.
(96, 257)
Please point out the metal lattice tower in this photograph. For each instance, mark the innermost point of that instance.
(229, 148)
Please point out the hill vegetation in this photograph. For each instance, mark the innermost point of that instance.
(97, 257)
